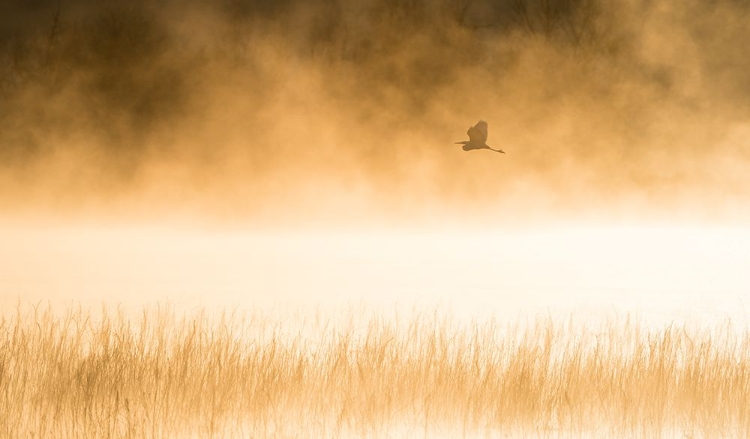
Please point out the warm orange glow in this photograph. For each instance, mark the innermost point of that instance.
(666, 272)
(298, 158)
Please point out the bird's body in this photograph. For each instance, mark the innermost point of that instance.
(477, 138)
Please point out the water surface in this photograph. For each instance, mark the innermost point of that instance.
(655, 271)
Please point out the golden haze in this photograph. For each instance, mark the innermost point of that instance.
(234, 154)
(297, 112)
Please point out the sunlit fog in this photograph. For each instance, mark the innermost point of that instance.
(517, 162)
(299, 112)
(307, 149)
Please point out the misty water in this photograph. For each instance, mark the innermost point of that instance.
(658, 273)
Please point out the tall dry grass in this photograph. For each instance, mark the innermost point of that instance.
(106, 374)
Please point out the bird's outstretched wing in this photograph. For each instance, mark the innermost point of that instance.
(478, 133)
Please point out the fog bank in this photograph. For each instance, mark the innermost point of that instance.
(299, 111)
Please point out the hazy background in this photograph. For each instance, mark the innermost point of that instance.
(296, 159)
(345, 112)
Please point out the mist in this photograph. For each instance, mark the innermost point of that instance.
(346, 111)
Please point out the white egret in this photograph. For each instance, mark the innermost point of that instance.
(477, 138)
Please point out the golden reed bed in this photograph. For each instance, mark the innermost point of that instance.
(82, 374)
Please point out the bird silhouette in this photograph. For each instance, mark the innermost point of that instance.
(477, 138)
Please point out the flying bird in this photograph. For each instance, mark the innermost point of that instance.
(477, 138)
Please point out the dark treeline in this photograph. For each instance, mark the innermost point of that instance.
(128, 58)
(131, 66)
(126, 81)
